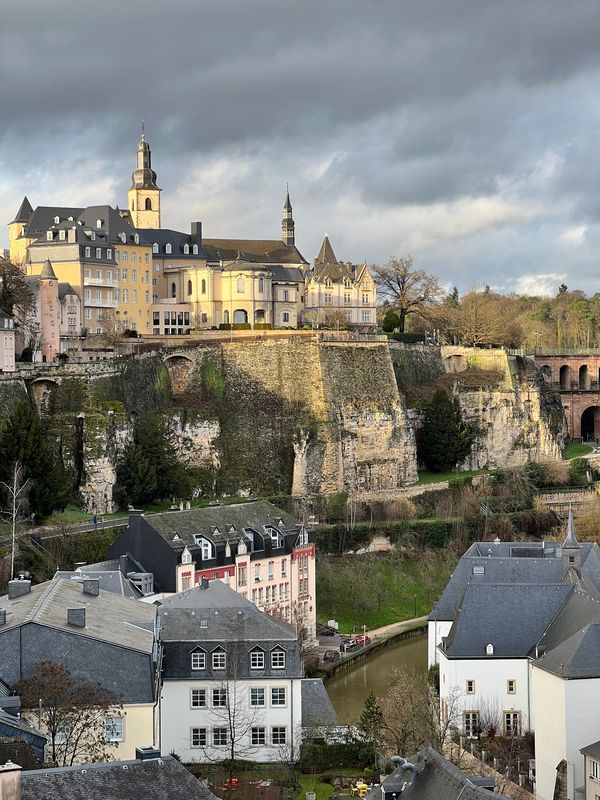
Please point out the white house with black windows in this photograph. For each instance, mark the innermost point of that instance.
(231, 678)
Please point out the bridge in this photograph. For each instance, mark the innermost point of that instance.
(576, 375)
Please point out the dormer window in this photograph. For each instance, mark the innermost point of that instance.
(56, 220)
(219, 659)
(186, 249)
(207, 548)
(49, 236)
(123, 237)
(195, 249)
(155, 247)
(62, 235)
(168, 248)
(257, 659)
(98, 223)
(186, 556)
(278, 659)
(328, 283)
(198, 660)
(489, 649)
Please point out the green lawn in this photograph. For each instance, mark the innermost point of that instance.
(323, 791)
(576, 450)
(348, 591)
(425, 476)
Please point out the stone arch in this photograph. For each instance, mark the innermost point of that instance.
(584, 377)
(546, 371)
(590, 424)
(565, 377)
(240, 316)
(180, 368)
(41, 389)
(456, 363)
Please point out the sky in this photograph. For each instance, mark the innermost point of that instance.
(463, 132)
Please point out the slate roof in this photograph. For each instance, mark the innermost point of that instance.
(185, 524)
(24, 212)
(229, 617)
(48, 271)
(159, 779)
(326, 254)
(437, 779)
(262, 251)
(111, 580)
(64, 289)
(177, 239)
(580, 608)
(592, 750)
(82, 219)
(317, 708)
(19, 725)
(109, 618)
(43, 218)
(19, 752)
(512, 617)
(576, 657)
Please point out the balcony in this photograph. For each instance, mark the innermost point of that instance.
(100, 303)
(100, 282)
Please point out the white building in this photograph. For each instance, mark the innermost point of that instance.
(232, 678)
(516, 635)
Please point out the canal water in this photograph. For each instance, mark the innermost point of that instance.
(349, 688)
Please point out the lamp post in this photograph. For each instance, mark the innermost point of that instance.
(537, 341)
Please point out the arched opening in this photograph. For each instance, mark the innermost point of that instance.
(565, 377)
(180, 368)
(259, 315)
(547, 373)
(173, 290)
(203, 286)
(189, 287)
(240, 316)
(584, 377)
(590, 424)
(148, 204)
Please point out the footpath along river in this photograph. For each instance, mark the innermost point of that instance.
(349, 688)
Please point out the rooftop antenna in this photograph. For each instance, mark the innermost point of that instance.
(143, 134)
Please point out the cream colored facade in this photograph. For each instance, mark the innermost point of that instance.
(7, 343)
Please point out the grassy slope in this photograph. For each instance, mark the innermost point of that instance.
(379, 588)
(576, 450)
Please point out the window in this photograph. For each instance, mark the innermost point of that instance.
(88, 313)
(198, 737)
(219, 659)
(189, 287)
(109, 254)
(365, 298)
(88, 252)
(134, 295)
(511, 686)
(489, 649)
(478, 569)
(62, 235)
(278, 659)
(240, 284)
(133, 271)
(242, 576)
(198, 698)
(346, 299)
(125, 274)
(278, 734)
(278, 696)
(286, 295)
(257, 659)
(471, 723)
(328, 297)
(259, 735)
(87, 294)
(168, 248)
(98, 252)
(198, 660)
(155, 247)
(173, 290)
(146, 258)
(203, 286)
(219, 698)
(512, 723)
(595, 770)
(366, 316)
(285, 316)
(50, 237)
(470, 687)
(219, 736)
(270, 567)
(124, 256)
(113, 729)
(257, 697)
(261, 285)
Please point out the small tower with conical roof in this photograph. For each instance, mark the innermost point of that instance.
(49, 313)
(288, 234)
(16, 232)
(571, 549)
(144, 195)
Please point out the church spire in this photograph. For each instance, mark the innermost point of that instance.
(144, 194)
(287, 223)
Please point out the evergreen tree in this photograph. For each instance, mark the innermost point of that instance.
(24, 439)
(370, 725)
(153, 438)
(390, 321)
(136, 478)
(443, 439)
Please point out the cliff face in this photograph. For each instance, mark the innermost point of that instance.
(518, 418)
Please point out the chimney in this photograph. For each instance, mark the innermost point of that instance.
(91, 586)
(18, 587)
(10, 781)
(2, 616)
(147, 753)
(123, 564)
(204, 583)
(197, 233)
(76, 617)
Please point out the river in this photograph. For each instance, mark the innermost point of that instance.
(349, 688)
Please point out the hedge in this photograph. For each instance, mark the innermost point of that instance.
(332, 756)
(408, 338)
(237, 326)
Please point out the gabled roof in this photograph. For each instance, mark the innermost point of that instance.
(511, 617)
(592, 750)
(436, 779)
(317, 708)
(261, 251)
(24, 212)
(326, 254)
(109, 618)
(229, 520)
(228, 616)
(159, 779)
(576, 657)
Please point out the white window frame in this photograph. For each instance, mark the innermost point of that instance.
(196, 736)
(219, 660)
(257, 659)
(278, 656)
(258, 735)
(198, 660)
(198, 698)
(257, 697)
(470, 723)
(218, 698)
(277, 699)
(114, 729)
(278, 734)
(223, 738)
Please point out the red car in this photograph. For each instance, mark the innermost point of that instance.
(362, 639)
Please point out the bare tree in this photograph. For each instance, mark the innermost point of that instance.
(408, 289)
(16, 502)
(76, 713)
(479, 319)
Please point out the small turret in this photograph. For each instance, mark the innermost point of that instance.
(47, 272)
(288, 234)
(571, 549)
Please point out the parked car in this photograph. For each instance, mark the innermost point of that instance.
(362, 638)
(347, 643)
(331, 655)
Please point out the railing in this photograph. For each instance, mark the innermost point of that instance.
(91, 281)
(101, 303)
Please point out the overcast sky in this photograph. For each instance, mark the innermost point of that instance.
(464, 132)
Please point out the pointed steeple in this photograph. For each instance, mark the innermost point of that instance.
(47, 272)
(571, 549)
(288, 233)
(326, 254)
(143, 177)
(25, 211)
(571, 540)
